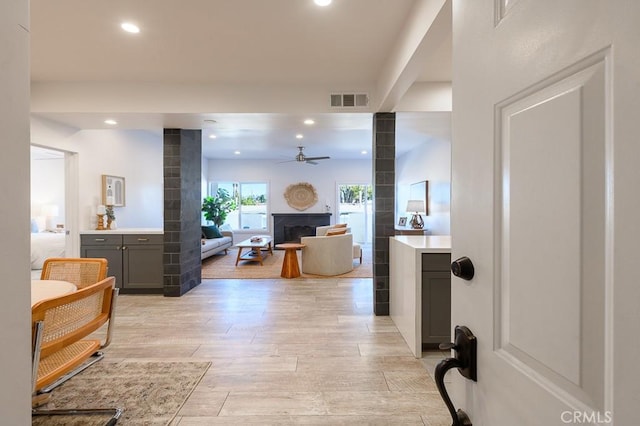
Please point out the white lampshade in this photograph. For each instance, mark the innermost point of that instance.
(416, 206)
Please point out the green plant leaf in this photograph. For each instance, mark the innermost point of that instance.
(217, 207)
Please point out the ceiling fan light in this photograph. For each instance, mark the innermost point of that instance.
(130, 28)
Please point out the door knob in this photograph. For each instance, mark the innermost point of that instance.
(463, 268)
(465, 360)
(465, 347)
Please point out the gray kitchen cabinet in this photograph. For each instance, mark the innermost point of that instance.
(136, 260)
(436, 299)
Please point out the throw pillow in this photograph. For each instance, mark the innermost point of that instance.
(335, 231)
(211, 231)
(340, 225)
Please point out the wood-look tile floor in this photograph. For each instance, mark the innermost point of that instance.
(283, 352)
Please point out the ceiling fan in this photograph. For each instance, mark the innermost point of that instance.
(301, 158)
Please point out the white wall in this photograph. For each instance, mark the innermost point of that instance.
(15, 315)
(427, 96)
(324, 177)
(133, 154)
(204, 172)
(431, 161)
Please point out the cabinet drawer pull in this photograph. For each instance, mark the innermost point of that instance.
(143, 239)
(100, 240)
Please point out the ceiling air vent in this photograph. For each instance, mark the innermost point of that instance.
(349, 100)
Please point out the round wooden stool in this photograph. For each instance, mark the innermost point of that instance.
(290, 268)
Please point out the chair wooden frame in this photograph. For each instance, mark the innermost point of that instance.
(61, 349)
(81, 271)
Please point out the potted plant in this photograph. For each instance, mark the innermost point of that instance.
(111, 217)
(217, 207)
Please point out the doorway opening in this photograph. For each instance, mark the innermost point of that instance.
(54, 201)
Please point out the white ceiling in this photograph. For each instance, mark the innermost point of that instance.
(86, 69)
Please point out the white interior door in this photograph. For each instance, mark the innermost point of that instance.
(545, 200)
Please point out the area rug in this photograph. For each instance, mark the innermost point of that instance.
(224, 266)
(151, 393)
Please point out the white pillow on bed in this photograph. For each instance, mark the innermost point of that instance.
(45, 245)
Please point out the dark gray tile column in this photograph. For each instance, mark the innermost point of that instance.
(384, 177)
(182, 210)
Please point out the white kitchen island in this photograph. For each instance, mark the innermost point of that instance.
(406, 273)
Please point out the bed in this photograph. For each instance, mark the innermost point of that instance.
(44, 245)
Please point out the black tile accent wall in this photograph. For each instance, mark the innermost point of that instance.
(182, 210)
(384, 177)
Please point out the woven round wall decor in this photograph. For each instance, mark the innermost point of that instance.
(301, 195)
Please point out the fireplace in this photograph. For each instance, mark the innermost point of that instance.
(293, 233)
(289, 227)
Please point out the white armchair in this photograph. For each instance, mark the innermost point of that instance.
(357, 250)
(327, 255)
(322, 230)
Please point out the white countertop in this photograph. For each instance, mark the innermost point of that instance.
(125, 231)
(426, 243)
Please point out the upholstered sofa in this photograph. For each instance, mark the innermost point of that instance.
(211, 246)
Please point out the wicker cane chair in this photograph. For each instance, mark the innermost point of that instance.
(61, 349)
(79, 271)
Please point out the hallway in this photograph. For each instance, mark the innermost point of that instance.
(283, 352)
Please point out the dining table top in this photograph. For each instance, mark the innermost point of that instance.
(47, 289)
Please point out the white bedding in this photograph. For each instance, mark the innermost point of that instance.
(44, 245)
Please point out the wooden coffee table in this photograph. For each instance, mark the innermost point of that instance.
(254, 254)
(290, 268)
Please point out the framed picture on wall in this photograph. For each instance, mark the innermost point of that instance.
(113, 191)
(420, 191)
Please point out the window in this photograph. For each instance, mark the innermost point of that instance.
(252, 201)
(356, 209)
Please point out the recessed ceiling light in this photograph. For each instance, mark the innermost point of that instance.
(212, 136)
(299, 136)
(309, 122)
(363, 152)
(236, 152)
(130, 28)
(110, 122)
(322, 2)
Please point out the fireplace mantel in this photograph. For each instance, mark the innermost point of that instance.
(292, 219)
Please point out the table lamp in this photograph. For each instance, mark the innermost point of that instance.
(416, 206)
(51, 211)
